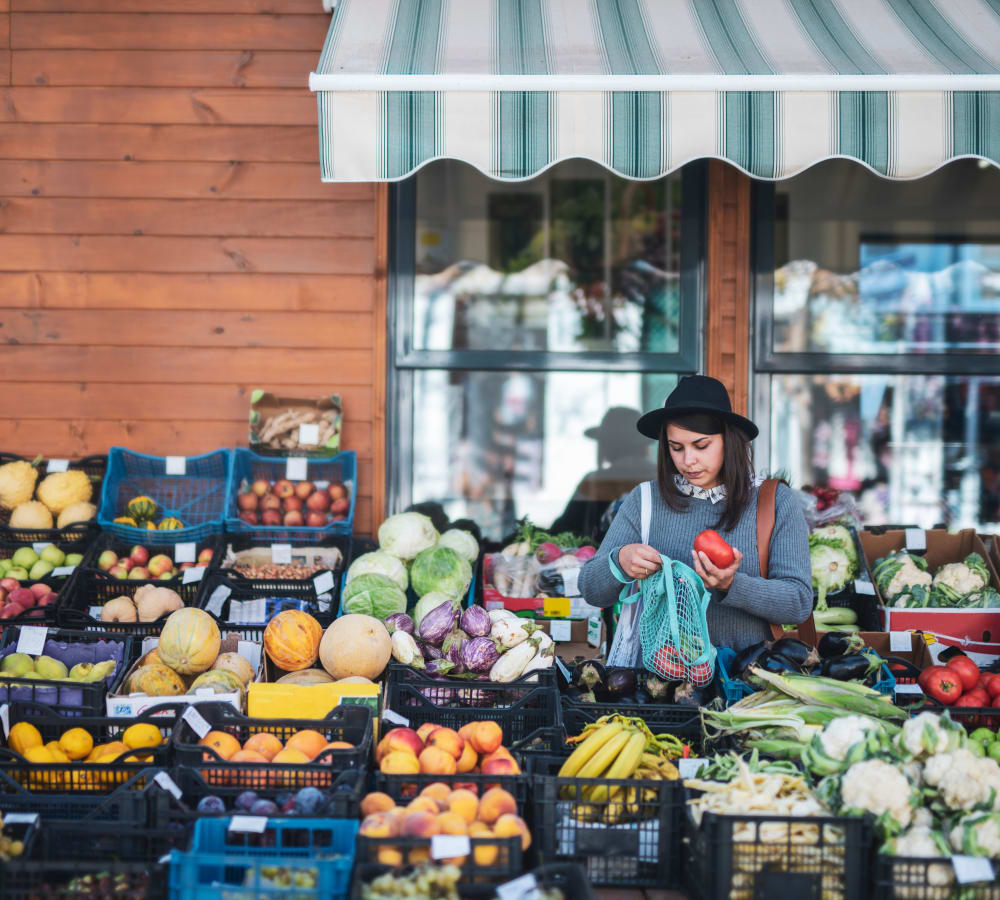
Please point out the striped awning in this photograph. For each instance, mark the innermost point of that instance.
(644, 86)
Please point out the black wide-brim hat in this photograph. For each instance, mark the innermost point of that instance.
(695, 394)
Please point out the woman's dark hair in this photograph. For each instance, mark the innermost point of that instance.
(736, 473)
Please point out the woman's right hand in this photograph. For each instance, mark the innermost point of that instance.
(639, 560)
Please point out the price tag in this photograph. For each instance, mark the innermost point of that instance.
(972, 868)
(218, 598)
(689, 767)
(296, 468)
(594, 631)
(446, 846)
(248, 612)
(95, 611)
(900, 642)
(561, 630)
(916, 540)
(195, 573)
(494, 604)
(197, 721)
(323, 582)
(28, 818)
(909, 689)
(5, 719)
(562, 668)
(323, 602)
(308, 433)
(394, 718)
(556, 607)
(570, 578)
(250, 651)
(281, 554)
(186, 552)
(176, 465)
(149, 643)
(248, 824)
(57, 465)
(40, 546)
(864, 588)
(518, 889)
(168, 784)
(32, 640)
(63, 571)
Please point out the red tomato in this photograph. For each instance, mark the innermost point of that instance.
(996, 700)
(993, 686)
(715, 548)
(941, 683)
(977, 697)
(968, 671)
(669, 664)
(984, 680)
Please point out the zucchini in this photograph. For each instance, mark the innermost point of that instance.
(835, 615)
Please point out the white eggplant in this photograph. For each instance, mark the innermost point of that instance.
(406, 651)
(508, 633)
(545, 641)
(543, 659)
(497, 614)
(511, 664)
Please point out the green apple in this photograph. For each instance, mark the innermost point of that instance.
(53, 555)
(73, 559)
(17, 573)
(983, 736)
(24, 557)
(17, 664)
(993, 751)
(976, 749)
(5, 566)
(40, 569)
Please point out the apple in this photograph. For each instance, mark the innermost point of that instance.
(340, 507)
(272, 517)
(249, 517)
(47, 599)
(9, 584)
(315, 519)
(39, 589)
(291, 504)
(118, 572)
(11, 611)
(139, 573)
(186, 565)
(318, 502)
(249, 500)
(336, 491)
(260, 487)
(293, 519)
(205, 557)
(139, 555)
(303, 489)
(23, 597)
(3, 596)
(269, 501)
(126, 563)
(284, 488)
(106, 560)
(159, 564)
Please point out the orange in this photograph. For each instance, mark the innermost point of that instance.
(265, 743)
(221, 742)
(308, 742)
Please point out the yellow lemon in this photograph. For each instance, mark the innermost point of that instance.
(76, 743)
(97, 751)
(22, 736)
(57, 752)
(142, 735)
(39, 754)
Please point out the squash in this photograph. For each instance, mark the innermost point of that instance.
(355, 644)
(236, 664)
(154, 602)
(142, 508)
(31, 514)
(306, 677)
(119, 609)
(170, 524)
(217, 681)
(125, 520)
(62, 489)
(292, 639)
(156, 680)
(190, 641)
(151, 526)
(76, 512)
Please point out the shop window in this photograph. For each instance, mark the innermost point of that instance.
(878, 350)
(524, 316)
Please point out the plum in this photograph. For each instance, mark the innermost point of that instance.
(211, 804)
(246, 800)
(264, 808)
(288, 808)
(282, 797)
(309, 802)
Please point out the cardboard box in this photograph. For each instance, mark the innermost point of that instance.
(576, 637)
(268, 700)
(275, 425)
(123, 705)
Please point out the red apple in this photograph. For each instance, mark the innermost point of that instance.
(126, 563)
(248, 500)
(139, 555)
(303, 489)
(9, 584)
(3, 596)
(271, 517)
(158, 565)
(139, 573)
(260, 487)
(106, 560)
(11, 611)
(186, 565)
(46, 600)
(205, 556)
(340, 507)
(319, 502)
(336, 491)
(284, 488)
(269, 501)
(249, 517)
(23, 598)
(39, 589)
(315, 519)
(291, 504)
(293, 519)
(118, 572)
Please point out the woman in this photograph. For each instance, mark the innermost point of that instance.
(705, 480)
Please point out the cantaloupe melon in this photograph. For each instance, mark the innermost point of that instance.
(189, 641)
(306, 677)
(355, 645)
(238, 665)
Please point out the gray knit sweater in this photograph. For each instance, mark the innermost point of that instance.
(740, 616)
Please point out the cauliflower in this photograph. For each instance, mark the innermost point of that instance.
(922, 842)
(879, 788)
(929, 733)
(17, 483)
(62, 489)
(963, 781)
(841, 734)
(831, 570)
(977, 835)
(954, 582)
(902, 579)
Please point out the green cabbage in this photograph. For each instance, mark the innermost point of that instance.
(440, 569)
(426, 603)
(831, 570)
(406, 534)
(462, 542)
(373, 595)
(379, 562)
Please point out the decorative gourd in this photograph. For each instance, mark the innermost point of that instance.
(142, 508)
(237, 665)
(126, 520)
(292, 639)
(189, 642)
(306, 677)
(217, 681)
(170, 524)
(355, 645)
(154, 602)
(151, 526)
(156, 680)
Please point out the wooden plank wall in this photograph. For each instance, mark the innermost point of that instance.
(166, 245)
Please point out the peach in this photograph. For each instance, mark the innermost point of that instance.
(425, 804)
(389, 856)
(310, 742)
(328, 758)
(486, 737)
(435, 761)
(404, 739)
(447, 739)
(418, 856)
(264, 743)
(469, 786)
(223, 743)
(399, 763)
(511, 825)
(248, 756)
(420, 823)
(465, 732)
(483, 854)
(376, 802)
(379, 825)
(495, 803)
(381, 749)
(464, 803)
(468, 760)
(452, 823)
(425, 730)
(500, 766)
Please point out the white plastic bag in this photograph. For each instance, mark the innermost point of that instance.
(626, 649)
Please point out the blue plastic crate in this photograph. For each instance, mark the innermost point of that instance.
(197, 498)
(733, 690)
(248, 467)
(222, 863)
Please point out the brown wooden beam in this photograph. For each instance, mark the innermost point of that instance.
(379, 374)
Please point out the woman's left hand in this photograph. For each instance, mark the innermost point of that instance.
(715, 579)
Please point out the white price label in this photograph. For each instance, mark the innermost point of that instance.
(186, 552)
(57, 465)
(900, 642)
(309, 433)
(447, 846)
(864, 588)
(197, 721)
(519, 889)
(248, 824)
(39, 546)
(165, 859)
(323, 582)
(195, 573)
(63, 571)
(969, 869)
(95, 611)
(5, 719)
(394, 718)
(909, 689)
(689, 767)
(168, 784)
(28, 818)
(218, 598)
(250, 651)
(561, 630)
(323, 602)
(247, 612)
(149, 643)
(176, 465)
(296, 468)
(281, 554)
(562, 668)
(916, 540)
(32, 640)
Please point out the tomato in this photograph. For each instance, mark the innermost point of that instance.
(993, 686)
(984, 680)
(976, 697)
(968, 671)
(941, 683)
(715, 548)
(669, 664)
(701, 674)
(996, 700)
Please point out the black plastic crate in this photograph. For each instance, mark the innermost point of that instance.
(92, 777)
(491, 859)
(223, 587)
(683, 721)
(71, 647)
(922, 878)
(156, 545)
(344, 795)
(760, 856)
(54, 878)
(95, 467)
(641, 850)
(518, 707)
(60, 585)
(349, 722)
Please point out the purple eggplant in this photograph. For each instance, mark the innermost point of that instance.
(476, 622)
(434, 626)
(436, 667)
(429, 651)
(399, 622)
(479, 654)
(451, 647)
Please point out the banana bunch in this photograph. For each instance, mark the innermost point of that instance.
(618, 748)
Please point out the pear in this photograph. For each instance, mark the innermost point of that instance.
(17, 664)
(49, 668)
(101, 670)
(52, 554)
(81, 671)
(24, 558)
